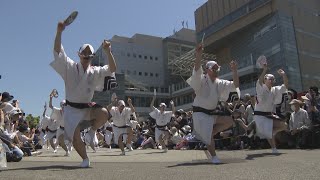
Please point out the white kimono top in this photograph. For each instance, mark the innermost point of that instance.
(52, 124)
(120, 119)
(80, 85)
(162, 119)
(208, 93)
(267, 99)
(44, 122)
(57, 114)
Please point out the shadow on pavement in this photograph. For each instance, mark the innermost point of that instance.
(158, 152)
(112, 155)
(50, 156)
(41, 168)
(206, 162)
(253, 156)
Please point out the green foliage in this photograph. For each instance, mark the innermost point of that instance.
(32, 121)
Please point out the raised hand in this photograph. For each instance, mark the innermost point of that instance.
(106, 45)
(281, 72)
(199, 49)
(60, 27)
(265, 66)
(171, 103)
(129, 101)
(233, 65)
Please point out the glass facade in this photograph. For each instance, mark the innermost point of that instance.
(272, 36)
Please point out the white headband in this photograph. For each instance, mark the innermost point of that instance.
(83, 47)
(269, 76)
(121, 103)
(210, 64)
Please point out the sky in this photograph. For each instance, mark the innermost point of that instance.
(28, 30)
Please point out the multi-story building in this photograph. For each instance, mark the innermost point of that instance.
(285, 31)
(142, 66)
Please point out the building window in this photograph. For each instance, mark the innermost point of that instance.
(151, 74)
(151, 58)
(145, 57)
(166, 90)
(134, 55)
(128, 54)
(140, 56)
(140, 73)
(264, 31)
(157, 75)
(145, 74)
(156, 58)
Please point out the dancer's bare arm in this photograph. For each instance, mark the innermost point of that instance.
(57, 40)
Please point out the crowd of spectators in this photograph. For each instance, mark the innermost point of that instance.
(301, 112)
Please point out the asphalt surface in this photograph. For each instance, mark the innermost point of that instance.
(153, 164)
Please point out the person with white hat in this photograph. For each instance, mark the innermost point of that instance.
(268, 95)
(162, 118)
(121, 117)
(57, 114)
(209, 90)
(81, 81)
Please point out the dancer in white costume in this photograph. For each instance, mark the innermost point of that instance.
(121, 116)
(43, 126)
(268, 95)
(108, 133)
(57, 114)
(209, 89)
(162, 118)
(81, 80)
(51, 132)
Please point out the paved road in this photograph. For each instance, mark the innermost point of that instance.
(152, 164)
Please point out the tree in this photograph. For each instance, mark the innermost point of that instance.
(32, 121)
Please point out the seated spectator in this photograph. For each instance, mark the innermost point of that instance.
(299, 123)
(137, 139)
(175, 138)
(13, 152)
(36, 140)
(25, 138)
(313, 105)
(148, 141)
(180, 119)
